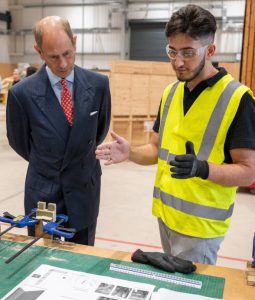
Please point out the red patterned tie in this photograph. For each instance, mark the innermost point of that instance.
(66, 101)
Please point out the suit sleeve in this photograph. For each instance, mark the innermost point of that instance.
(104, 118)
(17, 126)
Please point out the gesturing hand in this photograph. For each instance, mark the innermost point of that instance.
(187, 165)
(115, 151)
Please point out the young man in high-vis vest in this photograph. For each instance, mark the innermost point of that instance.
(203, 142)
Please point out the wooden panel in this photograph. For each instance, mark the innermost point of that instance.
(141, 67)
(122, 128)
(252, 82)
(250, 49)
(136, 130)
(136, 88)
(139, 95)
(156, 88)
(130, 67)
(162, 68)
(248, 53)
(139, 135)
(232, 68)
(7, 69)
(120, 85)
(245, 42)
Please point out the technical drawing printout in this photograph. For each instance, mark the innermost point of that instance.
(48, 282)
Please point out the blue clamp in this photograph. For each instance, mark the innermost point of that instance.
(19, 221)
(52, 228)
(61, 217)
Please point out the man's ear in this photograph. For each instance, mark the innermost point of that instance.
(38, 50)
(211, 51)
(74, 40)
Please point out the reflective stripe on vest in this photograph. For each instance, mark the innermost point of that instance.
(194, 209)
(166, 107)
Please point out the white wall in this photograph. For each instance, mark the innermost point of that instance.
(99, 37)
(4, 39)
(3, 5)
(99, 20)
(228, 39)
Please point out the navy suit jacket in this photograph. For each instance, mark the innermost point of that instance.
(62, 166)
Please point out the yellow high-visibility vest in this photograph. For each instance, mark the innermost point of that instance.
(196, 207)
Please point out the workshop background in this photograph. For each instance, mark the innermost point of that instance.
(125, 40)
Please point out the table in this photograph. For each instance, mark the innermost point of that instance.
(236, 287)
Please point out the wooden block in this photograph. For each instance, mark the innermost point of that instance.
(39, 228)
(39, 231)
(250, 271)
(250, 274)
(46, 213)
(251, 280)
(250, 265)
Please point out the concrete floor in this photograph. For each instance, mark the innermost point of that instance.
(125, 221)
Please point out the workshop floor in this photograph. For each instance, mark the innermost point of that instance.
(125, 221)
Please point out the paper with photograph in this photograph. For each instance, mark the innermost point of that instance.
(48, 282)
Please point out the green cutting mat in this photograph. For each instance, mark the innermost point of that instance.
(17, 270)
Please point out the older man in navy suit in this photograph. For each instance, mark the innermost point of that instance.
(55, 120)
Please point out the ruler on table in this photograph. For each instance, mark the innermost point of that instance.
(156, 275)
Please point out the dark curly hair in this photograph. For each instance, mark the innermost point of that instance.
(193, 20)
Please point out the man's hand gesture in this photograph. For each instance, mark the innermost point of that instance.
(187, 165)
(115, 151)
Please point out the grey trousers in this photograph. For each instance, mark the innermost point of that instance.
(187, 247)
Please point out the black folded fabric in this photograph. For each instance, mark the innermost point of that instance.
(164, 261)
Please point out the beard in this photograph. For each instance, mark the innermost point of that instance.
(195, 72)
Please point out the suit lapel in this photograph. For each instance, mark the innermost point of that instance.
(48, 103)
(83, 99)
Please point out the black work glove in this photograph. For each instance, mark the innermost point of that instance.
(187, 165)
(163, 261)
